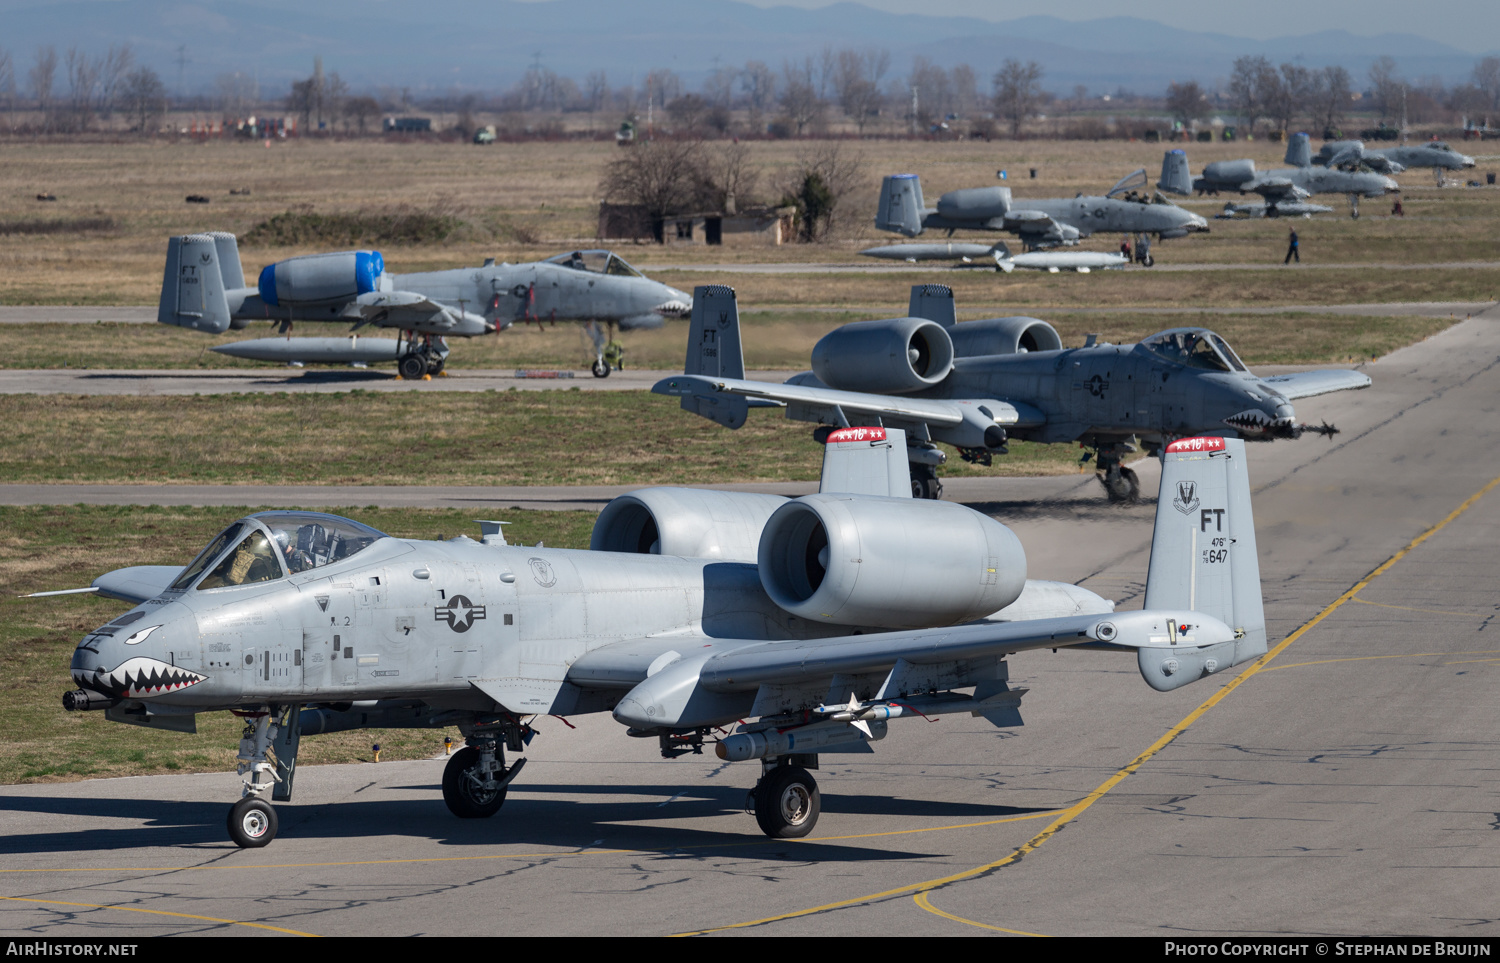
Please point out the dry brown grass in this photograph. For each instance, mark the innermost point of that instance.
(550, 191)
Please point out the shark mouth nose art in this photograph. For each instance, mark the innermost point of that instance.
(674, 308)
(1254, 422)
(138, 678)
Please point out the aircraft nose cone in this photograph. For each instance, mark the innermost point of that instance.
(132, 661)
(675, 304)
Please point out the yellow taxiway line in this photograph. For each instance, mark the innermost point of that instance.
(920, 890)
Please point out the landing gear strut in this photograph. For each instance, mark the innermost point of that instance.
(252, 821)
(924, 481)
(786, 801)
(1120, 483)
(427, 357)
(475, 780)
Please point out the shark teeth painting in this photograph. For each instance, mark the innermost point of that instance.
(1253, 422)
(138, 678)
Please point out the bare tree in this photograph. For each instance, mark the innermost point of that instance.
(1018, 92)
(1290, 95)
(1251, 84)
(8, 83)
(1332, 90)
(729, 178)
(112, 70)
(857, 80)
(718, 89)
(965, 89)
(1385, 85)
(335, 93)
(144, 96)
(799, 98)
(83, 77)
(819, 186)
(661, 177)
(1186, 102)
(362, 109)
(42, 77)
(1487, 79)
(596, 90)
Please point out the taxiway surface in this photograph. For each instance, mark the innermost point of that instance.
(1347, 784)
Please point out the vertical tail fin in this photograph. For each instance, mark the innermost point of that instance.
(1299, 150)
(866, 461)
(1176, 176)
(933, 302)
(228, 250)
(714, 351)
(192, 286)
(901, 206)
(1203, 558)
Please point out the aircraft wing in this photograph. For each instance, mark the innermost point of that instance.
(833, 402)
(1276, 189)
(1305, 384)
(406, 309)
(137, 583)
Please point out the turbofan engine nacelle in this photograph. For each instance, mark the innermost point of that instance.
(889, 562)
(688, 522)
(1003, 336)
(891, 356)
(321, 278)
(1230, 171)
(975, 203)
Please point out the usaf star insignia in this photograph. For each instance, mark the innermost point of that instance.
(458, 613)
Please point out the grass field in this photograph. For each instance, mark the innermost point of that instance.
(46, 548)
(778, 339)
(522, 201)
(458, 438)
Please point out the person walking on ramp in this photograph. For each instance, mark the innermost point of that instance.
(1291, 248)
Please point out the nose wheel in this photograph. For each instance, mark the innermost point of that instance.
(252, 823)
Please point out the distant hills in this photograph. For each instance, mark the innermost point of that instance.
(486, 45)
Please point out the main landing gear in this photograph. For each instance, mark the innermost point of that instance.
(476, 779)
(426, 357)
(786, 802)
(1120, 483)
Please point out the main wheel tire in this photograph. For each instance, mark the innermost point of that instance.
(600, 369)
(412, 366)
(1117, 486)
(466, 799)
(436, 365)
(787, 803)
(1132, 482)
(252, 823)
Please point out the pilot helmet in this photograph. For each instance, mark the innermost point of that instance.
(283, 539)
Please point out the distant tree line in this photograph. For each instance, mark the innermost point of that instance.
(854, 91)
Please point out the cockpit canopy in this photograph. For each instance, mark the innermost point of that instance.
(269, 545)
(596, 262)
(1195, 348)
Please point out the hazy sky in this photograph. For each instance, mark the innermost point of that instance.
(1472, 25)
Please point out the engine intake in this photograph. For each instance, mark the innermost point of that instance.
(321, 278)
(890, 357)
(687, 522)
(1003, 336)
(889, 562)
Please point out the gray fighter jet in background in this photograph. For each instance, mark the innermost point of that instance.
(1353, 155)
(204, 288)
(1285, 190)
(807, 625)
(1040, 223)
(978, 384)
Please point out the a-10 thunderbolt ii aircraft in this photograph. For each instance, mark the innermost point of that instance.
(978, 384)
(982, 255)
(204, 289)
(1040, 223)
(811, 622)
(1285, 190)
(1353, 155)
